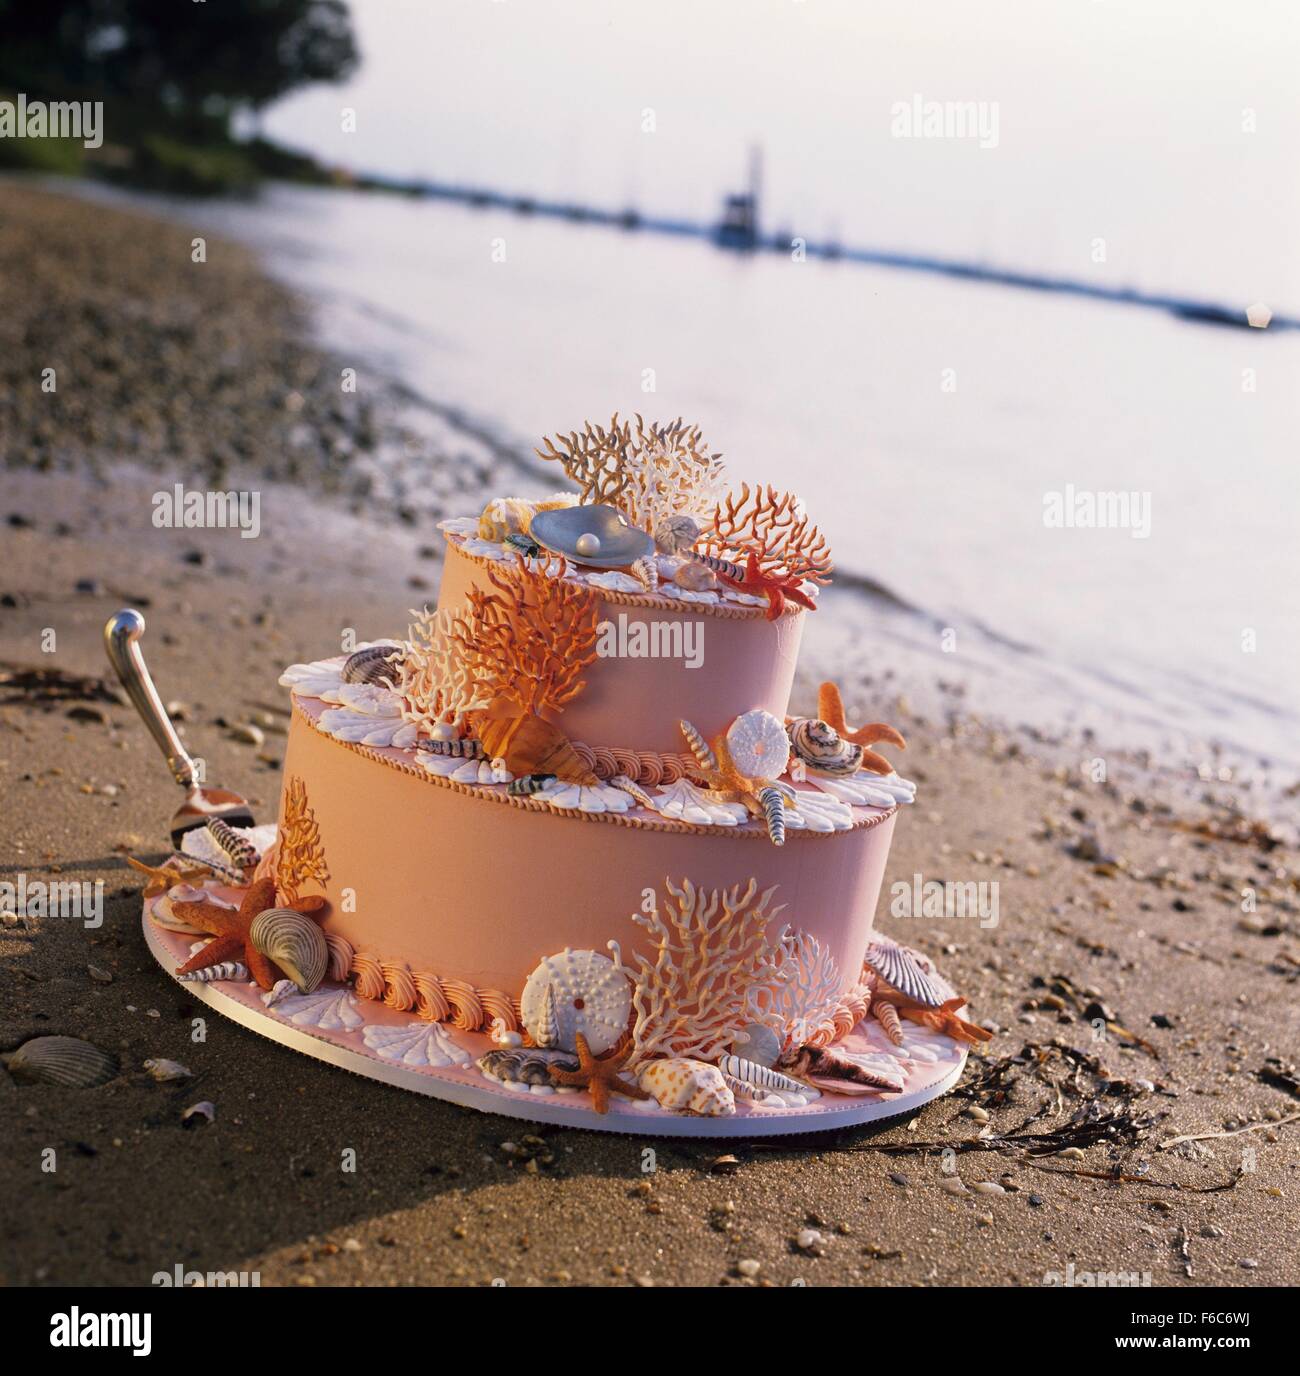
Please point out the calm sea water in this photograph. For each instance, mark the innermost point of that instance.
(924, 420)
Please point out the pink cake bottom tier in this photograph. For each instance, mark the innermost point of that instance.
(470, 887)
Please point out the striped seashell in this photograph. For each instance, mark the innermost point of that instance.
(228, 969)
(294, 942)
(741, 1090)
(376, 664)
(66, 1061)
(676, 534)
(887, 1016)
(724, 568)
(646, 572)
(699, 748)
(243, 854)
(631, 786)
(525, 1065)
(772, 801)
(688, 1086)
(901, 967)
(758, 1077)
(463, 749)
(822, 749)
(757, 745)
(528, 784)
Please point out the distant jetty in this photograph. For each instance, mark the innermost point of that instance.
(738, 229)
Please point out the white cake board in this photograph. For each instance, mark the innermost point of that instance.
(468, 1087)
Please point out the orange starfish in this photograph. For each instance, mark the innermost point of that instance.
(162, 878)
(776, 587)
(230, 930)
(601, 1077)
(830, 708)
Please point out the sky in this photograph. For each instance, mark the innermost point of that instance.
(1163, 130)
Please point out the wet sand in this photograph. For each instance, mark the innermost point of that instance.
(1107, 893)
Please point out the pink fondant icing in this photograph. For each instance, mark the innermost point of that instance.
(471, 888)
(636, 703)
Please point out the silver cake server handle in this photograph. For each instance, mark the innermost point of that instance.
(122, 642)
(202, 803)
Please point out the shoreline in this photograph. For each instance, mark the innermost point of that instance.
(1127, 893)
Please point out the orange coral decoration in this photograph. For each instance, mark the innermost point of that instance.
(595, 459)
(529, 641)
(775, 527)
(301, 858)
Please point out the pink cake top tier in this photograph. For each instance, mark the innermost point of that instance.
(661, 659)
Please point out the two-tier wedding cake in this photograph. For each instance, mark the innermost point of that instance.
(564, 851)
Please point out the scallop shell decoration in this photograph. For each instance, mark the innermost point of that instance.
(572, 992)
(525, 1065)
(821, 748)
(596, 535)
(66, 1061)
(757, 745)
(688, 1086)
(330, 1010)
(906, 971)
(294, 942)
(418, 1043)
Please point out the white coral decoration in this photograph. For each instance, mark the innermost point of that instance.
(367, 714)
(684, 801)
(437, 683)
(670, 475)
(417, 1044)
(808, 992)
(711, 968)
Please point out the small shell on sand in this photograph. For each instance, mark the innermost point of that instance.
(66, 1061)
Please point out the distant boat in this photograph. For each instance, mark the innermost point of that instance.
(738, 227)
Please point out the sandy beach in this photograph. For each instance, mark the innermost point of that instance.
(1156, 905)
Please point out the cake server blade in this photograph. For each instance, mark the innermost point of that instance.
(122, 642)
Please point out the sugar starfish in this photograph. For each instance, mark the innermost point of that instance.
(162, 878)
(230, 930)
(830, 708)
(600, 1076)
(776, 587)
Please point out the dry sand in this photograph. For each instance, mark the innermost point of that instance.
(1108, 886)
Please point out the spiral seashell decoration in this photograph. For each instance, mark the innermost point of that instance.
(294, 942)
(822, 749)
